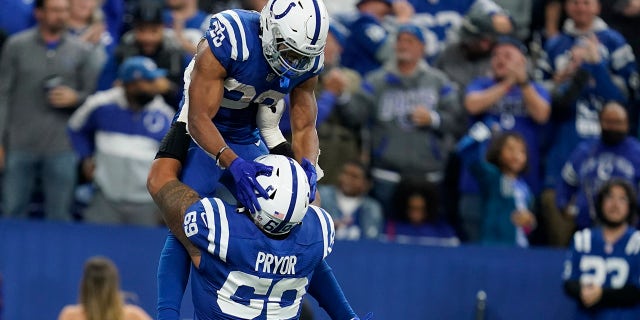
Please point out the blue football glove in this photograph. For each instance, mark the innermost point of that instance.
(244, 174)
(368, 316)
(312, 176)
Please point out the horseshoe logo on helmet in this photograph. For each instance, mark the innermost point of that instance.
(284, 13)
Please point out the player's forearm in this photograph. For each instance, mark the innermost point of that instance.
(207, 136)
(304, 112)
(304, 135)
(173, 199)
(305, 144)
(325, 289)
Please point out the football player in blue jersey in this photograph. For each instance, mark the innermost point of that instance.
(230, 83)
(259, 265)
(243, 66)
(602, 269)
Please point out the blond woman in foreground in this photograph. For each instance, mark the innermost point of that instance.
(100, 296)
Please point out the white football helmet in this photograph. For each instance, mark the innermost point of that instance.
(293, 34)
(288, 191)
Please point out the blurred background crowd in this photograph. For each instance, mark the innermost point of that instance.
(440, 122)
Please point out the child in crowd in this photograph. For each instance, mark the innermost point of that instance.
(417, 219)
(355, 215)
(507, 199)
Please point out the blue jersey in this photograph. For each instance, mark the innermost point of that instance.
(233, 38)
(617, 60)
(366, 37)
(511, 113)
(243, 273)
(616, 54)
(590, 166)
(441, 17)
(592, 260)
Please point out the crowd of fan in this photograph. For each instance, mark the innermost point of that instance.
(439, 121)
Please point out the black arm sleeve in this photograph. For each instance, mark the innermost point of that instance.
(175, 143)
(626, 296)
(562, 101)
(283, 149)
(572, 289)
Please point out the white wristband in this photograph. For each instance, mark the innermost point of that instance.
(268, 120)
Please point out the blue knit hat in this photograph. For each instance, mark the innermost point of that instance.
(413, 30)
(139, 68)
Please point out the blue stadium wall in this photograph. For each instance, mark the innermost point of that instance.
(41, 264)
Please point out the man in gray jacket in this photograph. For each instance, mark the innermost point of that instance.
(412, 114)
(44, 75)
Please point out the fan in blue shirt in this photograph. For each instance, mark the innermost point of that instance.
(602, 268)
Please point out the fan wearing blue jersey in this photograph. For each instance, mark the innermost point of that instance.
(588, 64)
(440, 18)
(368, 46)
(115, 133)
(259, 265)
(246, 62)
(594, 162)
(602, 269)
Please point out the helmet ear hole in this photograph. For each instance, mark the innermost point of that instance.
(273, 195)
(277, 173)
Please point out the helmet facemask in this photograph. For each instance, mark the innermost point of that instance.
(285, 59)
